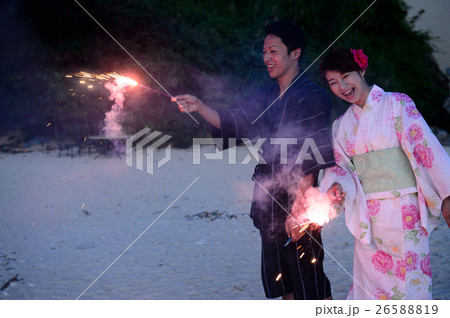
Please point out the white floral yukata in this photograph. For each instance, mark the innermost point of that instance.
(391, 228)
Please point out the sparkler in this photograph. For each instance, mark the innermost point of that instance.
(111, 76)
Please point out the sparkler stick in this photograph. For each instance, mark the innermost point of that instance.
(154, 90)
(113, 76)
(304, 226)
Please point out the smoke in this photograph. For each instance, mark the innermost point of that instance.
(113, 128)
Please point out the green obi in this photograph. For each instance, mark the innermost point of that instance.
(384, 170)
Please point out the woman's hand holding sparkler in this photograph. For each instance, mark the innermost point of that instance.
(446, 210)
(189, 104)
(336, 194)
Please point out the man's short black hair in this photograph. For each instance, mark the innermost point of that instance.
(289, 33)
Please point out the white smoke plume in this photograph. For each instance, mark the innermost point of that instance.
(113, 128)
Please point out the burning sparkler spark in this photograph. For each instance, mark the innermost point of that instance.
(112, 76)
(278, 277)
(313, 260)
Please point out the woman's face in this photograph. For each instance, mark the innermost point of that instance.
(349, 86)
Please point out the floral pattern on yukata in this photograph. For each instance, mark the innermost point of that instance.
(391, 229)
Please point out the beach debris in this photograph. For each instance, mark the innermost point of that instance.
(200, 242)
(238, 288)
(86, 212)
(9, 281)
(86, 246)
(211, 216)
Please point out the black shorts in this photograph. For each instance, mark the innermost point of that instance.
(300, 274)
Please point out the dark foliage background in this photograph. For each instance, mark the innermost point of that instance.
(208, 48)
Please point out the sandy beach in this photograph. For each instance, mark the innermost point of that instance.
(66, 222)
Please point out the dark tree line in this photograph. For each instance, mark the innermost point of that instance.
(208, 48)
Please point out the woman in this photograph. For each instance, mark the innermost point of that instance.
(395, 175)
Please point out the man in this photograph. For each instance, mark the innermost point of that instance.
(292, 115)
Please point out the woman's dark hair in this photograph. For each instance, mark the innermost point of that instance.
(340, 60)
(289, 33)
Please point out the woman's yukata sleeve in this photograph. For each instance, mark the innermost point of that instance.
(355, 205)
(429, 160)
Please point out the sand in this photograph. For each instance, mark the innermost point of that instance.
(66, 221)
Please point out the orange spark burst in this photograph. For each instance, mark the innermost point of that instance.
(313, 260)
(278, 277)
(106, 77)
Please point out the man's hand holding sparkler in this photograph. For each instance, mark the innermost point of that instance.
(189, 104)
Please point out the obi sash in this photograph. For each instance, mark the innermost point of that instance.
(384, 170)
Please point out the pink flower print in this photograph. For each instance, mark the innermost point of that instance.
(376, 95)
(400, 270)
(412, 261)
(382, 295)
(414, 134)
(425, 265)
(382, 262)
(403, 97)
(338, 171)
(337, 157)
(421, 197)
(421, 231)
(412, 111)
(373, 207)
(350, 147)
(424, 156)
(410, 216)
(399, 136)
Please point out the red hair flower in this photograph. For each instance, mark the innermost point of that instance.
(360, 58)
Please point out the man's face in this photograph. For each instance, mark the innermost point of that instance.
(275, 55)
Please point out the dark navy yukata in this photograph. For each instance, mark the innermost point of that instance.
(301, 114)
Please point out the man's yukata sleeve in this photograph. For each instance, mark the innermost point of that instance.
(237, 121)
